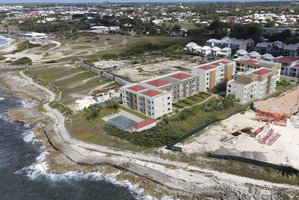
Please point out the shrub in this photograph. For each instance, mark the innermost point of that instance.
(108, 56)
(22, 61)
(25, 45)
(284, 82)
(92, 111)
(112, 104)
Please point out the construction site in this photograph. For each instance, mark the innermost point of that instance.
(269, 132)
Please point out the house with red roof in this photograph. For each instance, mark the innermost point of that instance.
(143, 125)
(213, 73)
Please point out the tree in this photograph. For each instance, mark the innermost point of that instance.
(284, 82)
(176, 28)
(92, 111)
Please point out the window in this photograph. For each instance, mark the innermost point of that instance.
(168, 109)
(228, 90)
(168, 97)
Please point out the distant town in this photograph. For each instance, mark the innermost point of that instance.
(201, 99)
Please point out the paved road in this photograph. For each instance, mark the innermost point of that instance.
(79, 152)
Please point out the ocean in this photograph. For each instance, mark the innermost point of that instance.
(4, 40)
(19, 179)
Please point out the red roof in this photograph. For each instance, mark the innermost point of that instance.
(158, 83)
(151, 93)
(262, 72)
(288, 59)
(252, 61)
(206, 67)
(137, 88)
(181, 76)
(143, 123)
(220, 62)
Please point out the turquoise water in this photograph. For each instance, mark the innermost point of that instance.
(122, 122)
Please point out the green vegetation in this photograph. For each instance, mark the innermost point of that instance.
(25, 45)
(134, 112)
(284, 82)
(22, 61)
(48, 46)
(191, 100)
(91, 61)
(92, 111)
(179, 124)
(112, 104)
(92, 131)
(81, 47)
(108, 56)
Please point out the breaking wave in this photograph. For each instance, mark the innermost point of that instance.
(27, 103)
(40, 167)
(1, 98)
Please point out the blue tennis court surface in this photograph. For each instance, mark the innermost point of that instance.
(122, 122)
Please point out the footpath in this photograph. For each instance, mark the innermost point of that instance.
(182, 177)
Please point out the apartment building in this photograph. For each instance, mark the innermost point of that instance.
(290, 66)
(151, 102)
(253, 84)
(154, 97)
(245, 64)
(213, 73)
(180, 84)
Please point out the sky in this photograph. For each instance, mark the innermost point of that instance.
(124, 1)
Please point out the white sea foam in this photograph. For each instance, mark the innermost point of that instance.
(1, 98)
(27, 103)
(28, 136)
(3, 116)
(40, 167)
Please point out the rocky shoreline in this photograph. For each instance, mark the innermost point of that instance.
(56, 161)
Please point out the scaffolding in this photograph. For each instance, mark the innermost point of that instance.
(275, 118)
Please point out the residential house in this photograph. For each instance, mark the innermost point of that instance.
(206, 50)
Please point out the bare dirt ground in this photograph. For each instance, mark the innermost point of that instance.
(146, 71)
(287, 103)
(209, 141)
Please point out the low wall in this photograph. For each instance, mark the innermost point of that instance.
(107, 75)
(96, 70)
(121, 81)
(284, 168)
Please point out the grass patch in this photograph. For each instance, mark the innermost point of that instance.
(134, 112)
(48, 46)
(25, 45)
(92, 131)
(50, 74)
(82, 47)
